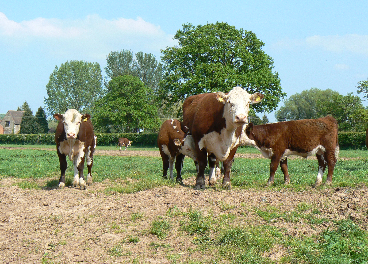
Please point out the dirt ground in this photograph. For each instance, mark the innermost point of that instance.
(73, 226)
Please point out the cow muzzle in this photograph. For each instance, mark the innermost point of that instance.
(241, 119)
(71, 136)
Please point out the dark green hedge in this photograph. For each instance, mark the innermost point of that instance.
(103, 139)
(351, 140)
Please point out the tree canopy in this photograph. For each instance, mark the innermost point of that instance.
(28, 125)
(76, 84)
(217, 57)
(128, 106)
(314, 103)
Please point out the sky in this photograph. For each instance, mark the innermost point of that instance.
(314, 44)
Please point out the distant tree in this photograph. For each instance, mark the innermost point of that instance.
(363, 88)
(76, 84)
(142, 65)
(217, 57)
(314, 103)
(265, 120)
(41, 120)
(128, 106)
(28, 124)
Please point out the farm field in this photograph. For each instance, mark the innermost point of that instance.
(131, 215)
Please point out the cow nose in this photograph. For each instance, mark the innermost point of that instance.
(71, 135)
(240, 118)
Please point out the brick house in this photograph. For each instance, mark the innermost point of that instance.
(11, 122)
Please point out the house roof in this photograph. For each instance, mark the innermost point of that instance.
(16, 115)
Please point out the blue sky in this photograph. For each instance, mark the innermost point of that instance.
(322, 44)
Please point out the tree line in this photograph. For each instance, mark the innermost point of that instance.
(139, 91)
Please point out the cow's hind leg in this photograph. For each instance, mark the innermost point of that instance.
(202, 163)
(63, 166)
(284, 169)
(321, 169)
(165, 164)
(212, 164)
(178, 167)
(331, 162)
(275, 159)
(89, 156)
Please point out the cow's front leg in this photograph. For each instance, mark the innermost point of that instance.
(63, 166)
(228, 163)
(178, 167)
(78, 171)
(202, 163)
(89, 166)
(284, 169)
(275, 159)
(171, 167)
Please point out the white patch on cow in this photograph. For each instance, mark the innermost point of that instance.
(174, 127)
(171, 167)
(172, 121)
(266, 152)
(212, 178)
(219, 144)
(88, 156)
(82, 183)
(61, 185)
(317, 150)
(165, 149)
(319, 176)
(188, 149)
(71, 120)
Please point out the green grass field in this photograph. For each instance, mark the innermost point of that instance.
(343, 241)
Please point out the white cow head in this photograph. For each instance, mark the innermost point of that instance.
(71, 121)
(237, 103)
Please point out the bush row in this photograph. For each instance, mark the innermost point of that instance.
(351, 140)
(103, 139)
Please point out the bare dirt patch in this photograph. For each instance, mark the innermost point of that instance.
(69, 225)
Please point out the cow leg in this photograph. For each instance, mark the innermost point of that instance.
(202, 163)
(63, 166)
(275, 159)
(228, 163)
(284, 168)
(89, 165)
(178, 167)
(171, 167)
(212, 164)
(78, 170)
(165, 164)
(331, 162)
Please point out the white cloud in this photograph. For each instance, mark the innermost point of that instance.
(353, 43)
(341, 67)
(92, 36)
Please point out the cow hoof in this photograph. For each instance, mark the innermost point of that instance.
(212, 182)
(75, 182)
(287, 182)
(199, 187)
(269, 183)
(226, 185)
(89, 181)
(61, 185)
(328, 183)
(180, 181)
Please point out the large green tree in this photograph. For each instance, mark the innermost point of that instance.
(75, 84)
(217, 57)
(128, 106)
(363, 88)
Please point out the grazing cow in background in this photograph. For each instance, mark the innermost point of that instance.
(304, 138)
(124, 142)
(75, 138)
(215, 121)
(174, 143)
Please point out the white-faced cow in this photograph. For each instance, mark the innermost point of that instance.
(75, 138)
(215, 121)
(174, 143)
(124, 142)
(304, 138)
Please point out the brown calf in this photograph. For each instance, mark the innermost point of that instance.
(124, 142)
(304, 138)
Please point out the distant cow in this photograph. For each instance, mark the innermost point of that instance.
(174, 143)
(215, 121)
(74, 137)
(124, 142)
(304, 138)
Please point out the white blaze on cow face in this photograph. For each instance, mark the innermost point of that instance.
(237, 103)
(71, 120)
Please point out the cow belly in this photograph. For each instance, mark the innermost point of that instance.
(218, 144)
(165, 149)
(71, 147)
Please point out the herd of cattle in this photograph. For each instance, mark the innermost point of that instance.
(214, 125)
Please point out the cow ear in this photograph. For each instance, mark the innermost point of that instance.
(85, 117)
(58, 117)
(221, 97)
(256, 98)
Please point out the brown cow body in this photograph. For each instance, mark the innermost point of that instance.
(174, 143)
(75, 138)
(304, 138)
(124, 142)
(215, 121)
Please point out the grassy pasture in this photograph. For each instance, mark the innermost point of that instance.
(226, 236)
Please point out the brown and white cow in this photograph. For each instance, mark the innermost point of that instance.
(174, 144)
(124, 142)
(304, 138)
(215, 121)
(75, 138)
